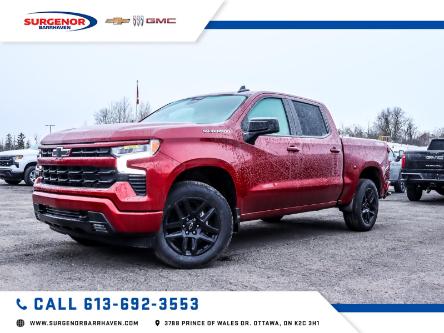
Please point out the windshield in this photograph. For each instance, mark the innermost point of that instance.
(197, 110)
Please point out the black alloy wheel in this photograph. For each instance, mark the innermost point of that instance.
(197, 226)
(369, 207)
(364, 209)
(191, 226)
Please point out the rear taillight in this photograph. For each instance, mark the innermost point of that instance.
(403, 161)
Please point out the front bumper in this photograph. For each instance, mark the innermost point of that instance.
(90, 215)
(7, 173)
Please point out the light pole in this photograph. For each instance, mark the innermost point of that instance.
(50, 127)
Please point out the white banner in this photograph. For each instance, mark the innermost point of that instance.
(105, 21)
(131, 311)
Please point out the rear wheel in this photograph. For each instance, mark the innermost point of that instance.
(365, 207)
(197, 226)
(30, 175)
(85, 241)
(13, 181)
(274, 219)
(414, 193)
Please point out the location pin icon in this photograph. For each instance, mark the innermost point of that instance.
(157, 322)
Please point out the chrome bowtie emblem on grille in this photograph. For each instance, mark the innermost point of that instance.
(60, 152)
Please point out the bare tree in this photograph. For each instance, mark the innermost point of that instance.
(121, 112)
(439, 133)
(36, 139)
(383, 123)
(104, 116)
(410, 131)
(398, 121)
(143, 110)
(354, 131)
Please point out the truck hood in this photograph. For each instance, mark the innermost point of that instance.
(19, 152)
(117, 132)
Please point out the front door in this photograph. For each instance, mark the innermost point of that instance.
(268, 173)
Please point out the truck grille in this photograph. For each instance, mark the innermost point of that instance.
(81, 152)
(6, 161)
(79, 176)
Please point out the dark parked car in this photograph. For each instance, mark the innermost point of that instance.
(424, 170)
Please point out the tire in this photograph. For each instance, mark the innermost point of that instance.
(30, 175)
(274, 219)
(414, 193)
(85, 241)
(13, 181)
(399, 187)
(440, 191)
(197, 226)
(365, 207)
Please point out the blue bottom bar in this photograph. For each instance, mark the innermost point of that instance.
(389, 307)
(325, 25)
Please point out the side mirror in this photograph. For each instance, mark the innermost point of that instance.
(398, 158)
(260, 126)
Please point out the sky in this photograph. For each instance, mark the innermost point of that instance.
(355, 73)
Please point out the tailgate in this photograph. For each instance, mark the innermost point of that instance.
(429, 160)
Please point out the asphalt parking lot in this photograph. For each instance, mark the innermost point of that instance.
(400, 260)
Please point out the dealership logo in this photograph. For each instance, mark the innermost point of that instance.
(56, 20)
(60, 152)
(117, 20)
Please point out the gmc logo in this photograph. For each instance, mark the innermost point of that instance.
(430, 157)
(163, 20)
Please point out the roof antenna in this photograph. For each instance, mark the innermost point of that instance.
(242, 89)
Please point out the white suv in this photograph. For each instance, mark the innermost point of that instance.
(18, 165)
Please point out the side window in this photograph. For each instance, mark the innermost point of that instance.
(310, 118)
(271, 108)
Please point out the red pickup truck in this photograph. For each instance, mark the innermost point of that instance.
(183, 179)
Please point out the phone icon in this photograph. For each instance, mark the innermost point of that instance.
(23, 307)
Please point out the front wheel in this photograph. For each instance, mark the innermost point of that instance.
(30, 175)
(414, 193)
(399, 187)
(197, 226)
(365, 207)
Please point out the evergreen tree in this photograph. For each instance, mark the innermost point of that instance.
(9, 144)
(20, 141)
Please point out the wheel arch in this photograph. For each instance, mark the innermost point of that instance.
(215, 173)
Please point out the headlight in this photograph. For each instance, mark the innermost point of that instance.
(18, 157)
(131, 152)
(146, 149)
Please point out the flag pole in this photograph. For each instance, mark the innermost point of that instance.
(137, 97)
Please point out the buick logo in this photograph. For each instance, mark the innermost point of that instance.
(60, 152)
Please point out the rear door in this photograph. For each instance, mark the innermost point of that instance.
(319, 163)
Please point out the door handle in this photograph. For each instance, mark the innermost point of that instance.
(335, 150)
(293, 148)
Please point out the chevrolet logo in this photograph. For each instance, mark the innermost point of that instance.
(60, 152)
(117, 20)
